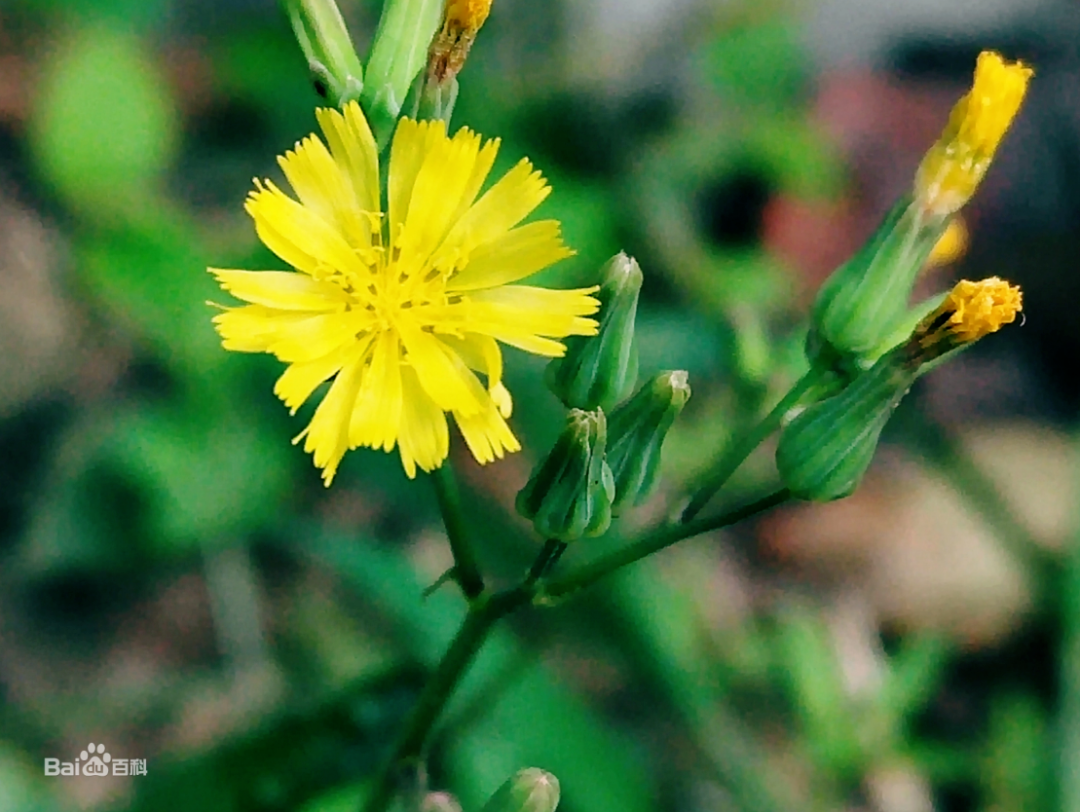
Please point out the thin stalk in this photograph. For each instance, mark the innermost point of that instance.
(482, 616)
(660, 538)
(466, 567)
(737, 452)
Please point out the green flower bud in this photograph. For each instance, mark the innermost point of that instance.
(601, 370)
(400, 51)
(332, 60)
(529, 790)
(570, 492)
(864, 300)
(825, 450)
(636, 432)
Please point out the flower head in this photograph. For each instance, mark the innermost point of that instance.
(971, 311)
(954, 166)
(400, 307)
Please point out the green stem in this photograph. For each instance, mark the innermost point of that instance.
(650, 543)
(482, 616)
(488, 609)
(740, 449)
(466, 567)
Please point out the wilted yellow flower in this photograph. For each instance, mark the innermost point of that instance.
(954, 166)
(401, 307)
(461, 23)
(970, 311)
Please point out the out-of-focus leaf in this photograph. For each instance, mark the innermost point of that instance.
(817, 689)
(205, 479)
(913, 673)
(760, 61)
(151, 275)
(22, 787)
(311, 754)
(104, 128)
(1016, 773)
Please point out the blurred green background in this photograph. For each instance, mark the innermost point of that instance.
(176, 584)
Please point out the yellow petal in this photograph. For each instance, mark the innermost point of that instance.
(512, 256)
(290, 335)
(282, 289)
(440, 183)
(377, 414)
(299, 380)
(487, 434)
(353, 147)
(413, 141)
(423, 438)
(298, 235)
(327, 436)
(522, 310)
(442, 373)
(501, 208)
(326, 191)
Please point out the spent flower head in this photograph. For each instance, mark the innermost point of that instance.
(952, 169)
(971, 311)
(462, 21)
(401, 306)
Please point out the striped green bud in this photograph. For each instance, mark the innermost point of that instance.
(332, 59)
(570, 492)
(866, 298)
(529, 790)
(636, 432)
(398, 54)
(601, 370)
(825, 450)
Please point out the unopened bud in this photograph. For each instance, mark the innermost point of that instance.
(529, 790)
(601, 370)
(825, 450)
(405, 32)
(636, 432)
(332, 59)
(570, 492)
(867, 297)
(953, 168)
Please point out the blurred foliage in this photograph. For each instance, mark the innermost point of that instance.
(716, 679)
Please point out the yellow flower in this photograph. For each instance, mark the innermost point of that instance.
(971, 311)
(954, 166)
(401, 307)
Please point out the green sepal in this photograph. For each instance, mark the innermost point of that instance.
(601, 370)
(571, 491)
(636, 432)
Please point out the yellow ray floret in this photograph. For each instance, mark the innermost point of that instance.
(954, 166)
(400, 308)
